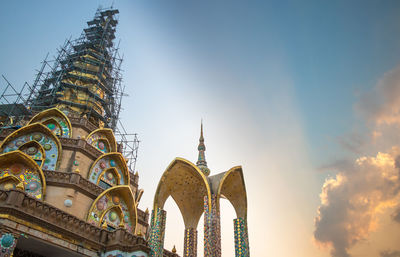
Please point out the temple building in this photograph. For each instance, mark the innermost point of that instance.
(68, 186)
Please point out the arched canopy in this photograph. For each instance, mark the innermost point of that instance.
(188, 186)
(55, 120)
(42, 135)
(115, 207)
(232, 187)
(16, 168)
(103, 139)
(109, 166)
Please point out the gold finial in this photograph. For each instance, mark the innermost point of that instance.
(122, 224)
(20, 186)
(147, 210)
(139, 233)
(104, 225)
(174, 249)
(77, 170)
(137, 173)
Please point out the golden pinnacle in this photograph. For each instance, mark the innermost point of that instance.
(20, 186)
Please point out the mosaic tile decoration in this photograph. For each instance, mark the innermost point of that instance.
(157, 232)
(108, 209)
(31, 179)
(99, 141)
(190, 243)
(48, 144)
(242, 248)
(117, 253)
(34, 151)
(7, 245)
(108, 178)
(212, 228)
(59, 128)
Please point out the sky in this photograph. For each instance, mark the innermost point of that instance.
(305, 95)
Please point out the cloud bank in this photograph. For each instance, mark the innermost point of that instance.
(352, 200)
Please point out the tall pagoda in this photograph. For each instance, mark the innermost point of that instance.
(66, 188)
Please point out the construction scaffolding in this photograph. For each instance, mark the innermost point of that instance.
(84, 79)
(85, 76)
(12, 108)
(128, 145)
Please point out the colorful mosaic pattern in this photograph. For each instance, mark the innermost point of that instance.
(7, 245)
(241, 238)
(31, 180)
(99, 141)
(34, 152)
(48, 144)
(157, 232)
(190, 243)
(212, 228)
(102, 172)
(112, 209)
(117, 253)
(56, 123)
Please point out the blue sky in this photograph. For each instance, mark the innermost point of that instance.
(274, 81)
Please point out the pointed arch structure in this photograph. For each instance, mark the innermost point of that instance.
(55, 120)
(115, 207)
(35, 132)
(232, 188)
(187, 185)
(19, 169)
(109, 170)
(103, 139)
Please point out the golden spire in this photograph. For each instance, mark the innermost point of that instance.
(174, 249)
(20, 186)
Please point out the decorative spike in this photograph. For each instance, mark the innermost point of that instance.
(20, 186)
(174, 249)
(201, 161)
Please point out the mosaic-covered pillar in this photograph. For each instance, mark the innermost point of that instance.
(157, 232)
(212, 228)
(7, 244)
(190, 244)
(242, 248)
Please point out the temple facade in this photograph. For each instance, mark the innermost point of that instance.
(67, 188)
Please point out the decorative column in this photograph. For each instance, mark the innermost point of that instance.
(190, 244)
(7, 244)
(157, 232)
(212, 228)
(242, 248)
